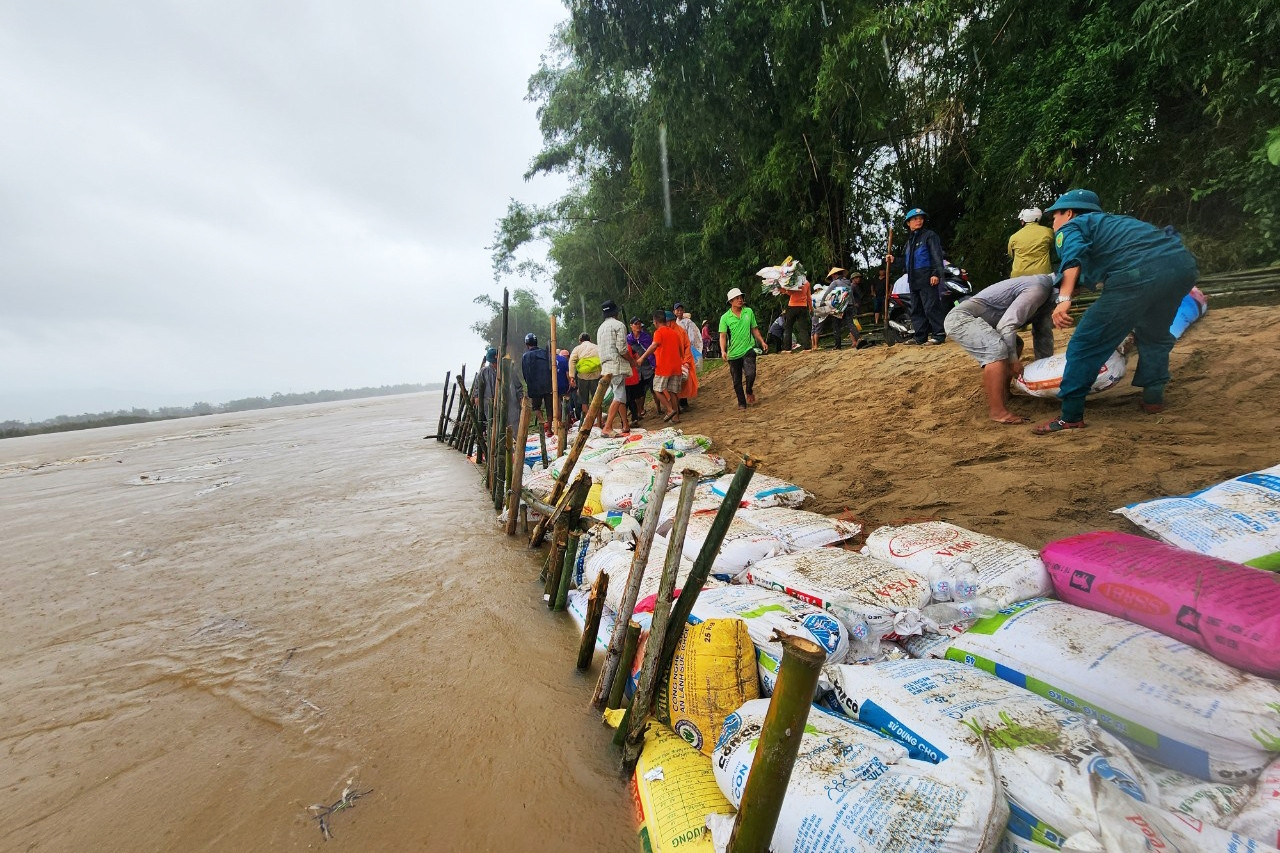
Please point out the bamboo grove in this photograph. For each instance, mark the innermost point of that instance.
(707, 138)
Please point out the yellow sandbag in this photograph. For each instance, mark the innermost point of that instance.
(675, 789)
(593, 506)
(713, 675)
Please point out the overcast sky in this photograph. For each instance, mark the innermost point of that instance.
(211, 200)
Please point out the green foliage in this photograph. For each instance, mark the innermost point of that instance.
(803, 129)
(525, 315)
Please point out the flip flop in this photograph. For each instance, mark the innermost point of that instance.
(1058, 425)
(668, 417)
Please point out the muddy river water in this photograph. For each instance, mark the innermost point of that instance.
(211, 624)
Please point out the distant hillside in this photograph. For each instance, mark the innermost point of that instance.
(65, 423)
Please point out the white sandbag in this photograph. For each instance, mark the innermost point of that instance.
(1166, 700)
(1049, 759)
(702, 464)
(704, 501)
(539, 483)
(592, 460)
(690, 444)
(1260, 816)
(625, 527)
(766, 612)
(742, 545)
(639, 460)
(1212, 802)
(589, 544)
(1129, 825)
(1238, 520)
(615, 560)
(800, 528)
(764, 490)
(855, 791)
(1005, 571)
(853, 587)
(1043, 377)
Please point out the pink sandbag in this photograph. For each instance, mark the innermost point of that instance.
(1223, 608)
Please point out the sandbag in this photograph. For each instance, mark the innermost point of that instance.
(1212, 802)
(1226, 609)
(1260, 816)
(675, 789)
(1238, 520)
(851, 586)
(765, 612)
(614, 560)
(764, 491)
(1049, 759)
(1005, 571)
(742, 545)
(1043, 377)
(712, 674)
(1166, 700)
(704, 501)
(800, 528)
(853, 790)
(1192, 308)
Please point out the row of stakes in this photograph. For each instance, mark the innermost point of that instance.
(561, 515)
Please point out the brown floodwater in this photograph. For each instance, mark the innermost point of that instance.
(211, 624)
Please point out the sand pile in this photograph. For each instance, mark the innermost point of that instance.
(901, 433)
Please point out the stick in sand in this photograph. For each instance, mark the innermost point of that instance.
(517, 468)
(595, 609)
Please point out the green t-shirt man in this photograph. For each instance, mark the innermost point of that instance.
(739, 327)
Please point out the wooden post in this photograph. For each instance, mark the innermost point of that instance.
(802, 662)
(455, 438)
(505, 473)
(444, 395)
(595, 609)
(561, 598)
(890, 335)
(639, 560)
(555, 388)
(565, 519)
(584, 432)
(706, 556)
(555, 562)
(448, 418)
(472, 419)
(630, 642)
(517, 468)
(542, 443)
(524, 519)
(654, 652)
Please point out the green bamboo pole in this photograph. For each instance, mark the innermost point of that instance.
(542, 444)
(566, 571)
(517, 468)
(629, 644)
(802, 662)
(555, 561)
(567, 521)
(444, 395)
(649, 683)
(631, 592)
(595, 609)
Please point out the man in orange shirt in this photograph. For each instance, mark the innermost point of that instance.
(798, 304)
(670, 349)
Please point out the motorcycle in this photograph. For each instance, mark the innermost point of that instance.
(955, 286)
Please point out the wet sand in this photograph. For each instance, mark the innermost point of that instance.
(212, 624)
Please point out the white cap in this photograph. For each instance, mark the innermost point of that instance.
(734, 294)
(1031, 214)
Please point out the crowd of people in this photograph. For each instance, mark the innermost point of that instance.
(1146, 270)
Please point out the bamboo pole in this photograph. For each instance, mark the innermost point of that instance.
(802, 662)
(542, 443)
(517, 468)
(890, 336)
(565, 519)
(654, 655)
(444, 395)
(584, 433)
(595, 609)
(555, 562)
(630, 641)
(505, 472)
(565, 579)
(524, 517)
(471, 418)
(449, 419)
(706, 556)
(455, 438)
(555, 387)
(639, 560)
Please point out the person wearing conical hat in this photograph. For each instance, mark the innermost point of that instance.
(1145, 272)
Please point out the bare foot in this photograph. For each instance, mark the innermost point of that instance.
(1010, 418)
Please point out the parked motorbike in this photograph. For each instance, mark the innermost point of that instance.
(955, 286)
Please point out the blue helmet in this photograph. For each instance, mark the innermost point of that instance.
(913, 213)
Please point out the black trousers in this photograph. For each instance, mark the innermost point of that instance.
(743, 372)
(926, 309)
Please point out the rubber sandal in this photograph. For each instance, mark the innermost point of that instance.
(1058, 425)
(1152, 408)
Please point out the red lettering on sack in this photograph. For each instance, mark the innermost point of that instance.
(1156, 843)
(905, 545)
(1134, 598)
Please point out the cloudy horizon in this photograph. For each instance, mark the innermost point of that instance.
(198, 200)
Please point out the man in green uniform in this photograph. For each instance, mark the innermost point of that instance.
(1029, 246)
(1145, 272)
(737, 330)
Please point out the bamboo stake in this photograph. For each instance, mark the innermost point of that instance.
(706, 556)
(555, 562)
(629, 644)
(444, 395)
(456, 438)
(449, 419)
(505, 478)
(542, 443)
(471, 418)
(566, 519)
(524, 518)
(802, 662)
(584, 433)
(654, 653)
(595, 609)
(517, 468)
(566, 571)
(639, 560)
(555, 389)
(890, 336)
